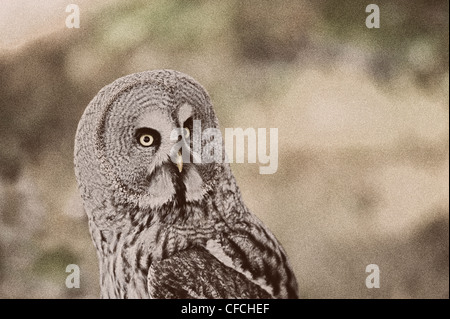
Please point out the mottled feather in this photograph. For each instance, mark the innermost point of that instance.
(196, 274)
(161, 232)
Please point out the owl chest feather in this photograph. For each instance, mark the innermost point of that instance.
(237, 239)
(252, 252)
(126, 259)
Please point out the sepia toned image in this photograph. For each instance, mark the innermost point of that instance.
(224, 149)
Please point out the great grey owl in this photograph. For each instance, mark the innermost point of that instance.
(165, 228)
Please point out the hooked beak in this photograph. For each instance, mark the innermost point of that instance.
(179, 161)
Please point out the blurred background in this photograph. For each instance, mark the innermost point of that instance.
(362, 114)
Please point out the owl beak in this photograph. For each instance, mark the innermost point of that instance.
(179, 161)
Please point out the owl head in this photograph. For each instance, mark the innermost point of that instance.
(127, 146)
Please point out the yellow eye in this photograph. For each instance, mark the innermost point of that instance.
(146, 140)
(187, 132)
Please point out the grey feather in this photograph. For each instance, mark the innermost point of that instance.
(194, 274)
(145, 215)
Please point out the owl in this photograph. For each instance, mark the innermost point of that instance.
(165, 225)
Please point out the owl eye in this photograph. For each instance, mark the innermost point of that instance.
(146, 140)
(187, 127)
(187, 132)
(147, 137)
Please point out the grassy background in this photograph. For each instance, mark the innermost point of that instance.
(363, 133)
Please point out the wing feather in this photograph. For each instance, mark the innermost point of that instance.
(196, 274)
